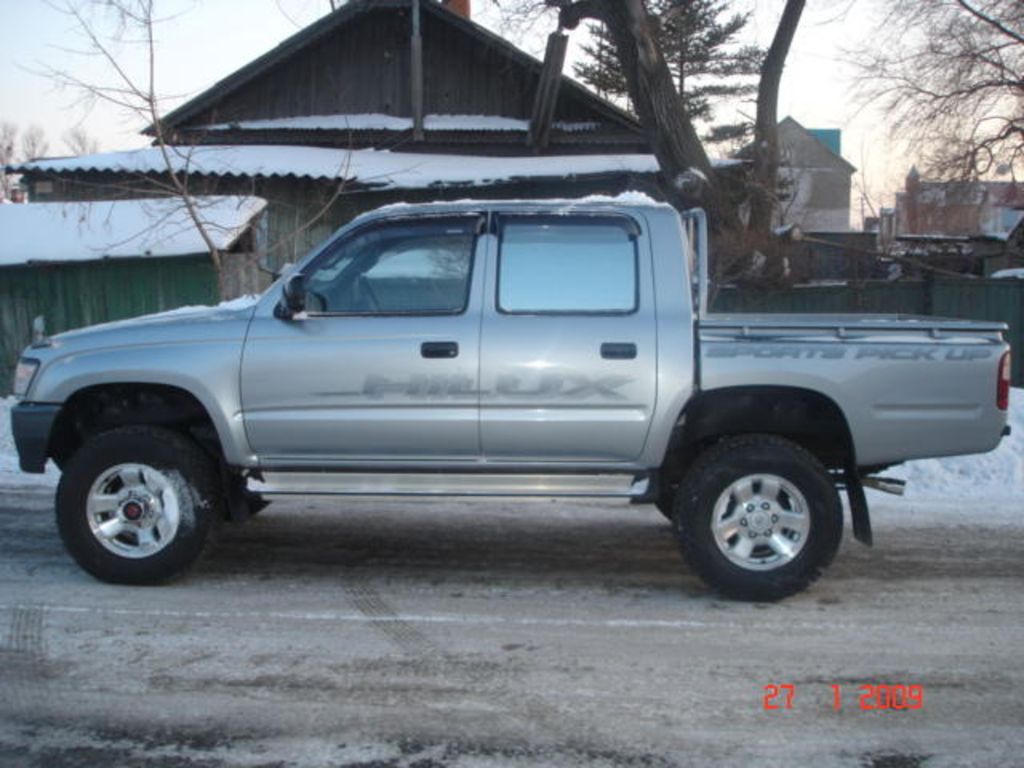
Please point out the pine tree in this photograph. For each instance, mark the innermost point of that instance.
(600, 70)
(698, 38)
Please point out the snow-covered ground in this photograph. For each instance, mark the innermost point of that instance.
(986, 488)
(973, 479)
(983, 489)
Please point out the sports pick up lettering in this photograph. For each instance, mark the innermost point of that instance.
(905, 353)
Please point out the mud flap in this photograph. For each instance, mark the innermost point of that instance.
(241, 504)
(858, 508)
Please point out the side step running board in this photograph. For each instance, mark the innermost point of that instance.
(442, 484)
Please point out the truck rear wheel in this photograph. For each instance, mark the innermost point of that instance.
(137, 505)
(758, 517)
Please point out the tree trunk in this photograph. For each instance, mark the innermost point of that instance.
(763, 195)
(687, 178)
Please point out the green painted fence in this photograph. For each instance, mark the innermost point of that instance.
(967, 299)
(75, 295)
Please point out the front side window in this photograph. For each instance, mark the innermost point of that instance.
(567, 266)
(414, 267)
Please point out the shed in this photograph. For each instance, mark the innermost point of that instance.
(78, 264)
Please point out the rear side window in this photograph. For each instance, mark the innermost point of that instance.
(554, 265)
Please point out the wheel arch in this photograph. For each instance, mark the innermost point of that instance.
(98, 408)
(804, 416)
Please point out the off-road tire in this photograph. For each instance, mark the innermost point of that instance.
(198, 492)
(727, 462)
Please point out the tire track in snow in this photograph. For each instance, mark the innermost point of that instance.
(23, 667)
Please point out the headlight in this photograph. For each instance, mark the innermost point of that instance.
(23, 375)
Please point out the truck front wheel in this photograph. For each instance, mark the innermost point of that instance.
(137, 505)
(758, 517)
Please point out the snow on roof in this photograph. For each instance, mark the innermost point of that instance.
(474, 123)
(363, 122)
(1014, 272)
(629, 197)
(380, 122)
(371, 167)
(36, 232)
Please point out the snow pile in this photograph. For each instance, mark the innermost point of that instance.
(61, 232)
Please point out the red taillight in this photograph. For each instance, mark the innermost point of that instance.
(1003, 384)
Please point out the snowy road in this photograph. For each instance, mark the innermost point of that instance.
(429, 634)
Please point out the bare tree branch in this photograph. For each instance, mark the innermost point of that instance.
(987, 19)
(950, 76)
(34, 143)
(113, 31)
(79, 142)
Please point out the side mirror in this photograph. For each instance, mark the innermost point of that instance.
(293, 297)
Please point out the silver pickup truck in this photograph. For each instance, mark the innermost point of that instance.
(503, 349)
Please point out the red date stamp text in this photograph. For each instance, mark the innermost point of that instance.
(867, 697)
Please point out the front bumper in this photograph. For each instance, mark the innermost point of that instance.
(31, 424)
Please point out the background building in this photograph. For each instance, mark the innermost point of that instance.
(815, 179)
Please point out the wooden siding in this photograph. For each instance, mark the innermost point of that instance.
(465, 77)
(363, 67)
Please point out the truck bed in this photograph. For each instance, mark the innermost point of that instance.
(908, 386)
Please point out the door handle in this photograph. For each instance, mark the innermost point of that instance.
(439, 349)
(612, 351)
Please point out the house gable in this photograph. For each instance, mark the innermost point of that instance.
(356, 62)
(802, 149)
(817, 181)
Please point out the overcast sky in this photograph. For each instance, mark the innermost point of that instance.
(207, 40)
